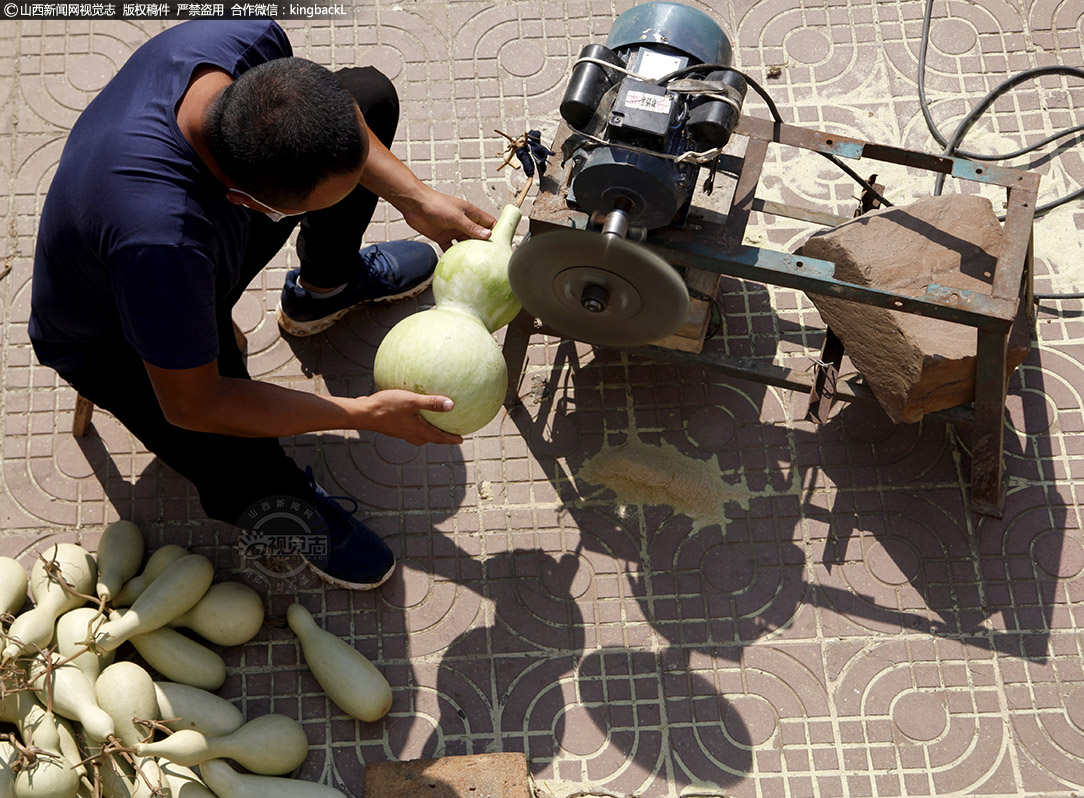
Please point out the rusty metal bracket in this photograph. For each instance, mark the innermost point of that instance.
(717, 247)
(823, 393)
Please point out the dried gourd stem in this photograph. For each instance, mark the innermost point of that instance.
(510, 151)
(155, 725)
(12, 676)
(28, 754)
(46, 660)
(52, 570)
(94, 784)
(523, 191)
(127, 754)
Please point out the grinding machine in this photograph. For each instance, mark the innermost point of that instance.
(642, 133)
(619, 253)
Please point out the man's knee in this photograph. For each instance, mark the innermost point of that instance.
(377, 98)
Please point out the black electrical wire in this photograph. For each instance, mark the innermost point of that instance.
(774, 111)
(951, 145)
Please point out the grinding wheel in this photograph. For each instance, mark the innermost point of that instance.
(600, 289)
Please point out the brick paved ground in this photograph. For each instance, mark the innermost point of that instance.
(849, 629)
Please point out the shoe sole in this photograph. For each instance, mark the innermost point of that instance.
(342, 583)
(302, 329)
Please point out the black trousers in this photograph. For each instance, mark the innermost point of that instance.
(231, 474)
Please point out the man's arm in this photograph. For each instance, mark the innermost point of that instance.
(440, 217)
(201, 399)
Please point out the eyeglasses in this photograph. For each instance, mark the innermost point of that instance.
(270, 213)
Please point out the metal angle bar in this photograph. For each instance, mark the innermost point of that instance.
(817, 276)
(801, 214)
(1015, 243)
(848, 389)
(744, 193)
(847, 147)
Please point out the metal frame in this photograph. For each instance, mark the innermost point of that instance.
(718, 249)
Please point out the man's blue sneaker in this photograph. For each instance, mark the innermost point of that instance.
(356, 557)
(388, 272)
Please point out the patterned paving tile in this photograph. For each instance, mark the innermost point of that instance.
(834, 622)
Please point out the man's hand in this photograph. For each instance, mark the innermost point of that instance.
(446, 219)
(397, 413)
(200, 399)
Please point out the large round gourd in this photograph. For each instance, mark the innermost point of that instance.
(473, 274)
(449, 352)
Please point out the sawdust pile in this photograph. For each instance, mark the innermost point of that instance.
(642, 474)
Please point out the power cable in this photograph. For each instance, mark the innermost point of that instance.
(952, 144)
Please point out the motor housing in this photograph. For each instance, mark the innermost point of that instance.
(636, 126)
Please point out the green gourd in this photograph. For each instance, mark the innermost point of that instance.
(179, 587)
(47, 778)
(449, 350)
(197, 709)
(348, 678)
(229, 614)
(72, 696)
(33, 629)
(228, 783)
(271, 745)
(12, 585)
(120, 553)
(183, 782)
(181, 659)
(73, 629)
(158, 562)
(7, 777)
(37, 726)
(473, 274)
(40, 728)
(125, 691)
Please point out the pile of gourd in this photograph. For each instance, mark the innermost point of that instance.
(89, 724)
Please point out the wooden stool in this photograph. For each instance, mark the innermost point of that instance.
(84, 408)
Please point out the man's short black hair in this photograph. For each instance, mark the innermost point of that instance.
(282, 128)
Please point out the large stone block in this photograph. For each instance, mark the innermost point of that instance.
(914, 364)
(475, 776)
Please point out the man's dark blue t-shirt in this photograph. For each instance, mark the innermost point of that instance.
(137, 240)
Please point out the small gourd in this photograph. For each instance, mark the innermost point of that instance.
(73, 630)
(271, 745)
(197, 709)
(34, 628)
(449, 350)
(348, 678)
(183, 782)
(72, 696)
(47, 778)
(158, 562)
(228, 783)
(40, 728)
(229, 614)
(181, 659)
(12, 585)
(179, 587)
(8, 754)
(120, 553)
(126, 691)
